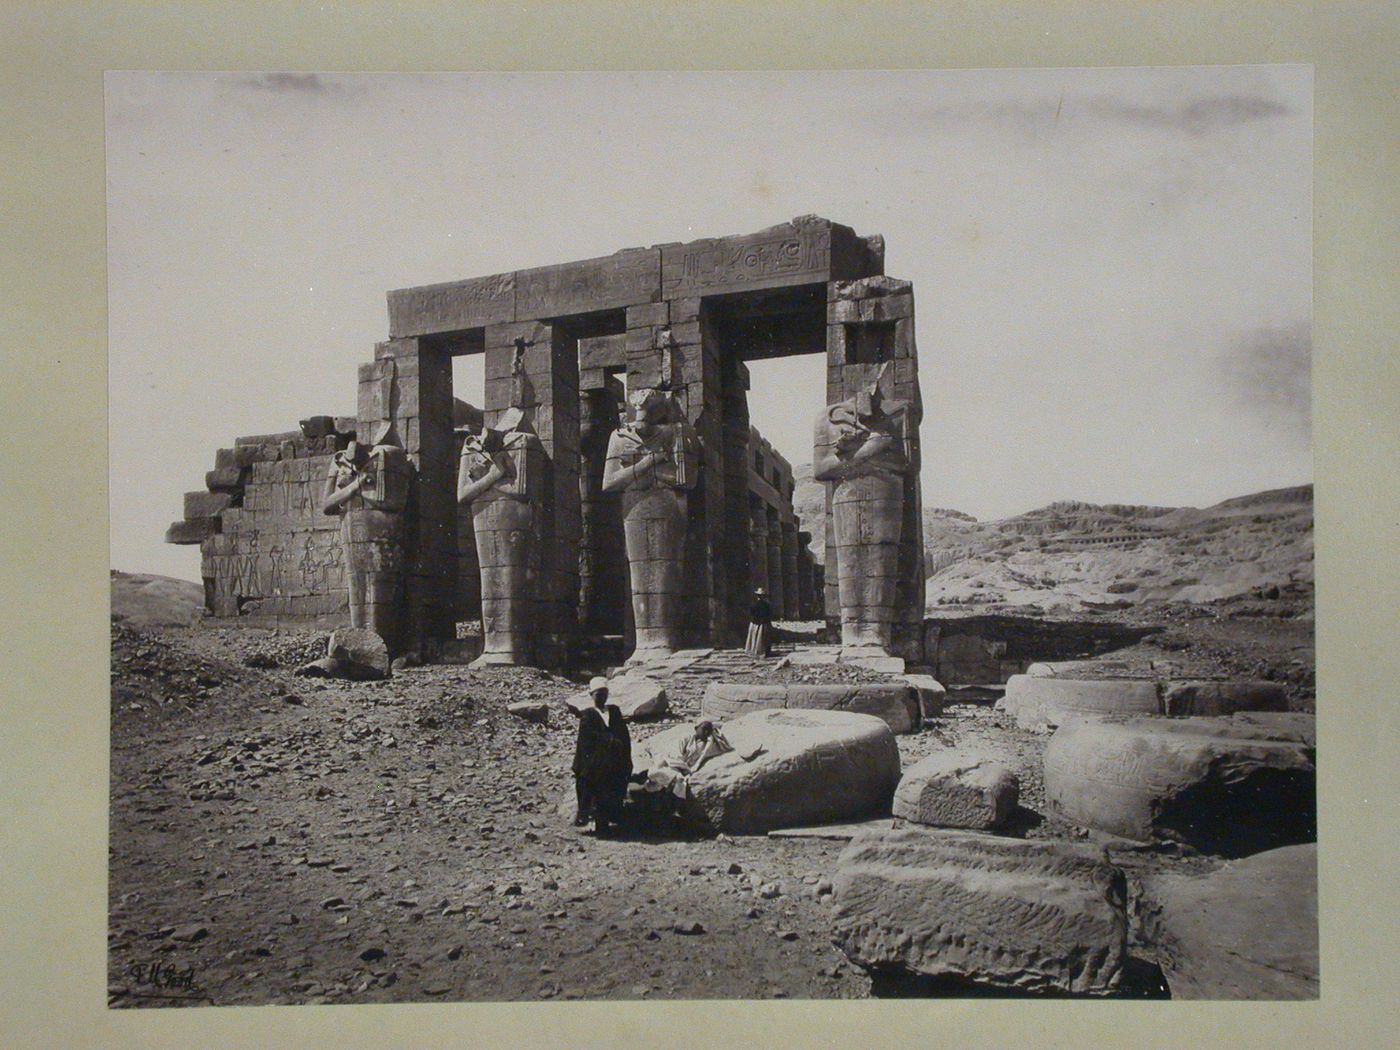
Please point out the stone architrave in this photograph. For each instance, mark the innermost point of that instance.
(1247, 930)
(654, 461)
(500, 476)
(368, 488)
(984, 910)
(860, 450)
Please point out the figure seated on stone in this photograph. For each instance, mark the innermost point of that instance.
(657, 791)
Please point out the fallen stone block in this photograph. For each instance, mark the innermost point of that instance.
(530, 710)
(1041, 704)
(1222, 698)
(988, 911)
(1230, 786)
(1245, 931)
(356, 654)
(637, 697)
(788, 769)
(932, 696)
(896, 704)
(953, 789)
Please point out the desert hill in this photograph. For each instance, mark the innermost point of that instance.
(1072, 555)
(143, 600)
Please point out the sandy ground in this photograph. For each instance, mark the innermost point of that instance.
(277, 839)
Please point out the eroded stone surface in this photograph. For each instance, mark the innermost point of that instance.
(360, 646)
(1246, 931)
(637, 697)
(788, 769)
(1004, 913)
(954, 789)
(1042, 703)
(1225, 785)
(896, 705)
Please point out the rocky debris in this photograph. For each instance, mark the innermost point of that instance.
(788, 768)
(1222, 698)
(636, 696)
(896, 703)
(1230, 786)
(952, 789)
(982, 910)
(1042, 703)
(932, 696)
(1246, 931)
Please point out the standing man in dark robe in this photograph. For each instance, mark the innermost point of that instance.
(760, 639)
(602, 761)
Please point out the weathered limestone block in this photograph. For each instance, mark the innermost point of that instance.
(638, 698)
(1222, 698)
(897, 705)
(932, 695)
(530, 710)
(354, 654)
(1246, 931)
(1044, 703)
(225, 479)
(206, 504)
(360, 646)
(1224, 785)
(998, 912)
(192, 530)
(956, 790)
(788, 769)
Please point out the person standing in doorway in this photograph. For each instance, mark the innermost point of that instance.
(602, 761)
(760, 639)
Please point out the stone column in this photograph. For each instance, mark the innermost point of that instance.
(790, 585)
(603, 591)
(758, 545)
(534, 366)
(775, 562)
(410, 385)
(806, 578)
(738, 522)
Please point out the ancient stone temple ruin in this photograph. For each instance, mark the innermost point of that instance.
(611, 483)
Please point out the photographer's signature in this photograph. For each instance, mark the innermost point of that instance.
(163, 980)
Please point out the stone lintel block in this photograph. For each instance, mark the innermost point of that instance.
(603, 351)
(191, 530)
(452, 306)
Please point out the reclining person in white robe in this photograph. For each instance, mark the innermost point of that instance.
(671, 774)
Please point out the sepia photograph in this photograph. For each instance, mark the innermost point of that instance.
(711, 536)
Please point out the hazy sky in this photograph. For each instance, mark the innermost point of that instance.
(1112, 267)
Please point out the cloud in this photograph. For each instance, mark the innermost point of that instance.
(1196, 117)
(297, 83)
(1270, 373)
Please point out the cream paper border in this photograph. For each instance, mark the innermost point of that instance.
(53, 482)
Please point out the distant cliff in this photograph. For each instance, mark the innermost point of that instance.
(1073, 555)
